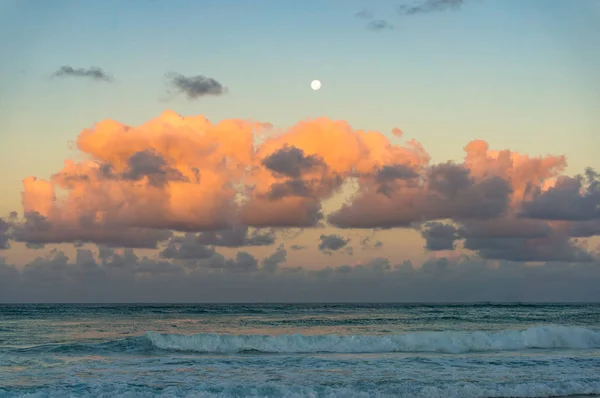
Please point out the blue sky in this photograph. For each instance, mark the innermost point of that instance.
(519, 74)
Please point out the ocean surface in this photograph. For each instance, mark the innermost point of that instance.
(304, 350)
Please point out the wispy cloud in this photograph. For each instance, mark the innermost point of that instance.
(373, 23)
(93, 73)
(426, 6)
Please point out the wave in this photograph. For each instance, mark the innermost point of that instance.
(409, 390)
(542, 337)
(451, 342)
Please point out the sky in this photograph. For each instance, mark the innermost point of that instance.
(174, 150)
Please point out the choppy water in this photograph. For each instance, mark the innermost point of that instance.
(371, 350)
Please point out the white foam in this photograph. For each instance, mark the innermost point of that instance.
(447, 342)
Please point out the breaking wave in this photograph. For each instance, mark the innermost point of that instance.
(543, 337)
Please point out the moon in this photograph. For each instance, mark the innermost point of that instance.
(315, 85)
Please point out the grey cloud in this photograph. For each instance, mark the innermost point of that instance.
(37, 230)
(289, 188)
(367, 243)
(297, 247)
(449, 193)
(439, 236)
(93, 73)
(291, 162)
(331, 243)
(237, 237)
(4, 234)
(54, 278)
(571, 199)
(395, 172)
(243, 262)
(195, 87)
(272, 262)
(186, 247)
(584, 229)
(426, 6)
(550, 249)
(506, 227)
(153, 166)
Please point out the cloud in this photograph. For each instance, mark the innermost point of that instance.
(379, 24)
(4, 234)
(120, 276)
(368, 244)
(450, 192)
(93, 73)
(272, 262)
(237, 237)
(570, 199)
(188, 247)
(373, 24)
(332, 243)
(291, 162)
(439, 236)
(141, 186)
(195, 87)
(427, 6)
(36, 230)
(364, 14)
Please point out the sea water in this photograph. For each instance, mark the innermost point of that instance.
(299, 350)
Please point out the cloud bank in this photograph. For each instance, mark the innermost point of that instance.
(120, 276)
(188, 187)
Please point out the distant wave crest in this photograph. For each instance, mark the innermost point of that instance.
(543, 337)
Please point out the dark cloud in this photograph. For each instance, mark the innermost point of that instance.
(439, 236)
(93, 73)
(148, 164)
(291, 162)
(272, 262)
(54, 278)
(448, 193)
(550, 249)
(506, 227)
(571, 199)
(36, 229)
(4, 234)
(387, 175)
(243, 262)
(195, 87)
(237, 237)
(509, 239)
(332, 243)
(187, 247)
(426, 6)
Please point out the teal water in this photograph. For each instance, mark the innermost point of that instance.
(271, 350)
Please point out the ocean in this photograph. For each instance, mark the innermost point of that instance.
(299, 350)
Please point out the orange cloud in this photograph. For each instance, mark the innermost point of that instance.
(177, 173)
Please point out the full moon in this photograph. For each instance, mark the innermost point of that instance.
(315, 85)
